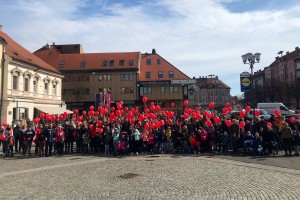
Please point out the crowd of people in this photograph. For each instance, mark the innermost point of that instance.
(150, 132)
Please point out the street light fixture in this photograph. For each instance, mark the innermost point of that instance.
(251, 59)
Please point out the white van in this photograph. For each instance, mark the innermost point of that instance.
(271, 107)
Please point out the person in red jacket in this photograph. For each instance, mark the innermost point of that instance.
(59, 139)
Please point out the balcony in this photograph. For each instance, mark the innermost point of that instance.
(32, 95)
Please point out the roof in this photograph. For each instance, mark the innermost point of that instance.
(211, 83)
(94, 61)
(154, 68)
(19, 53)
(288, 56)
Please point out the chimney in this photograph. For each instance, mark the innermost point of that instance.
(153, 51)
(0, 28)
(296, 48)
(287, 52)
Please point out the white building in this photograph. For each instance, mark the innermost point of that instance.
(28, 84)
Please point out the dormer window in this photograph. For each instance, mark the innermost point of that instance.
(83, 63)
(61, 64)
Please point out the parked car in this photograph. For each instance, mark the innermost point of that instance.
(271, 107)
(263, 113)
(296, 116)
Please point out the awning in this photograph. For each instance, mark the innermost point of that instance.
(53, 110)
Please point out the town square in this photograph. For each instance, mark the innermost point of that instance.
(169, 99)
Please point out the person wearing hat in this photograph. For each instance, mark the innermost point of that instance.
(287, 138)
(59, 139)
(29, 134)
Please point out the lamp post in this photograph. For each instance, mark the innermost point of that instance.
(251, 59)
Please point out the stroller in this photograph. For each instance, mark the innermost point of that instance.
(122, 144)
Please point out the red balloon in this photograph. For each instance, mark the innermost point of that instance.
(121, 102)
(119, 106)
(79, 119)
(36, 120)
(106, 105)
(225, 110)
(99, 108)
(42, 115)
(229, 109)
(269, 124)
(100, 123)
(248, 108)
(293, 120)
(2, 137)
(185, 115)
(92, 108)
(170, 121)
(66, 114)
(162, 122)
(112, 109)
(76, 111)
(61, 117)
(185, 103)
(217, 119)
(97, 113)
(228, 123)
(74, 115)
(144, 99)
(48, 118)
(4, 124)
(91, 113)
(153, 125)
(126, 109)
(242, 124)
(146, 110)
(298, 116)
(118, 113)
(171, 114)
(146, 126)
(157, 108)
(276, 112)
(212, 114)
(209, 123)
(84, 112)
(198, 116)
(104, 111)
(100, 130)
(242, 113)
(151, 103)
(53, 117)
(211, 105)
(227, 105)
(173, 105)
(256, 113)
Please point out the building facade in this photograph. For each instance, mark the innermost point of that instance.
(209, 89)
(99, 78)
(29, 84)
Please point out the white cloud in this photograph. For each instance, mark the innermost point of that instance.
(200, 37)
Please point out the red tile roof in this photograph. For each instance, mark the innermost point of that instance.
(93, 60)
(17, 52)
(211, 83)
(154, 68)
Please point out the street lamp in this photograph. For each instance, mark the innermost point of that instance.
(251, 59)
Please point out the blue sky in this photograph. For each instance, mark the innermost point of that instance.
(200, 37)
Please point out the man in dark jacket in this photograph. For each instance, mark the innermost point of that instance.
(49, 138)
(17, 137)
(29, 134)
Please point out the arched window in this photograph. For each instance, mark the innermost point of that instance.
(27, 78)
(36, 79)
(54, 87)
(46, 85)
(16, 73)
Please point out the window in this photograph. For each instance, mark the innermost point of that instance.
(131, 62)
(162, 89)
(148, 74)
(123, 90)
(111, 63)
(131, 77)
(147, 90)
(35, 86)
(54, 90)
(104, 63)
(171, 74)
(83, 63)
(160, 74)
(26, 84)
(148, 62)
(100, 78)
(61, 64)
(158, 61)
(106, 77)
(129, 90)
(46, 88)
(15, 82)
(173, 89)
(122, 62)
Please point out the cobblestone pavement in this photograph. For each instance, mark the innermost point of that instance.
(144, 177)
